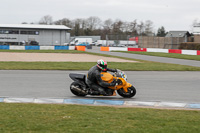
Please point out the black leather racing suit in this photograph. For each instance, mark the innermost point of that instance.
(95, 82)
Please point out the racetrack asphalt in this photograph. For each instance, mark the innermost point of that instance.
(167, 86)
(148, 58)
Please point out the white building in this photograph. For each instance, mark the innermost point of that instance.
(26, 34)
(196, 30)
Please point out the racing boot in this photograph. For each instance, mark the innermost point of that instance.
(102, 92)
(93, 92)
(109, 92)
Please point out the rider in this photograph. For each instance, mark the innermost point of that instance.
(94, 80)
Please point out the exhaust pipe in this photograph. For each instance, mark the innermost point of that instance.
(75, 88)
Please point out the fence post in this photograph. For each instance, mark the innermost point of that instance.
(171, 41)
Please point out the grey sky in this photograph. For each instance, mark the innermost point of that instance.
(172, 14)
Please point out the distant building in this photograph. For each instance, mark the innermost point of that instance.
(178, 34)
(196, 30)
(196, 33)
(30, 34)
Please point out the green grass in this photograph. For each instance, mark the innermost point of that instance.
(141, 66)
(95, 119)
(169, 55)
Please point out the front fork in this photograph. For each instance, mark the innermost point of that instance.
(125, 85)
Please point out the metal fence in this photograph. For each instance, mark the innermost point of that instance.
(153, 41)
(197, 38)
(160, 42)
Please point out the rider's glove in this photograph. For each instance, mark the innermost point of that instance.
(113, 83)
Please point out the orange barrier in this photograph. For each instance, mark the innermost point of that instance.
(80, 48)
(104, 48)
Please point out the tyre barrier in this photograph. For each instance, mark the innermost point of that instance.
(178, 51)
(10, 47)
(96, 102)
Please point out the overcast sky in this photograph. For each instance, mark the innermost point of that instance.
(172, 14)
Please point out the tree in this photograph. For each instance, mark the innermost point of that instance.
(93, 22)
(140, 28)
(196, 22)
(133, 27)
(106, 28)
(77, 27)
(117, 27)
(161, 32)
(65, 21)
(46, 20)
(24, 23)
(94, 26)
(108, 24)
(148, 28)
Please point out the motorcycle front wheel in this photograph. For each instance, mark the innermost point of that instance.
(77, 90)
(131, 92)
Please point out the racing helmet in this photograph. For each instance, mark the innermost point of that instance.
(102, 65)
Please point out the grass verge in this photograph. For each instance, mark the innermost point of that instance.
(98, 119)
(141, 66)
(169, 55)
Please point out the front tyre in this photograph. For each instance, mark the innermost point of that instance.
(77, 89)
(131, 92)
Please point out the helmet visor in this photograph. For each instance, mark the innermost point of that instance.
(104, 67)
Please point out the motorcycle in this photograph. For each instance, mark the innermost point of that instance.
(80, 88)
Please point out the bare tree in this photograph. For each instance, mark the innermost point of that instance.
(79, 27)
(126, 27)
(133, 27)
(108, 24)
(46, 20)
(196, 22)
(65, 21)
(117, 27)
(140, 28)
(24, 23)
(148, 27)
(93, 22)
(76, 27)
(94, 26)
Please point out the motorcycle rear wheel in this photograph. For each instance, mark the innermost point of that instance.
(76, 84)
(131, 92)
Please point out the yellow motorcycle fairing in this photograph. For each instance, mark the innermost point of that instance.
(107, 77)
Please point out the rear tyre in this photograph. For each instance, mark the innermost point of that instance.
(131, 92)
(77, 89)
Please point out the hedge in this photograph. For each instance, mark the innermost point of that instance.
(190, 46)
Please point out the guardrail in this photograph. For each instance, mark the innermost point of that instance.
(178, 51)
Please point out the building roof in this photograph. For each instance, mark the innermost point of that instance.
(177, 34)
(34, 26)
